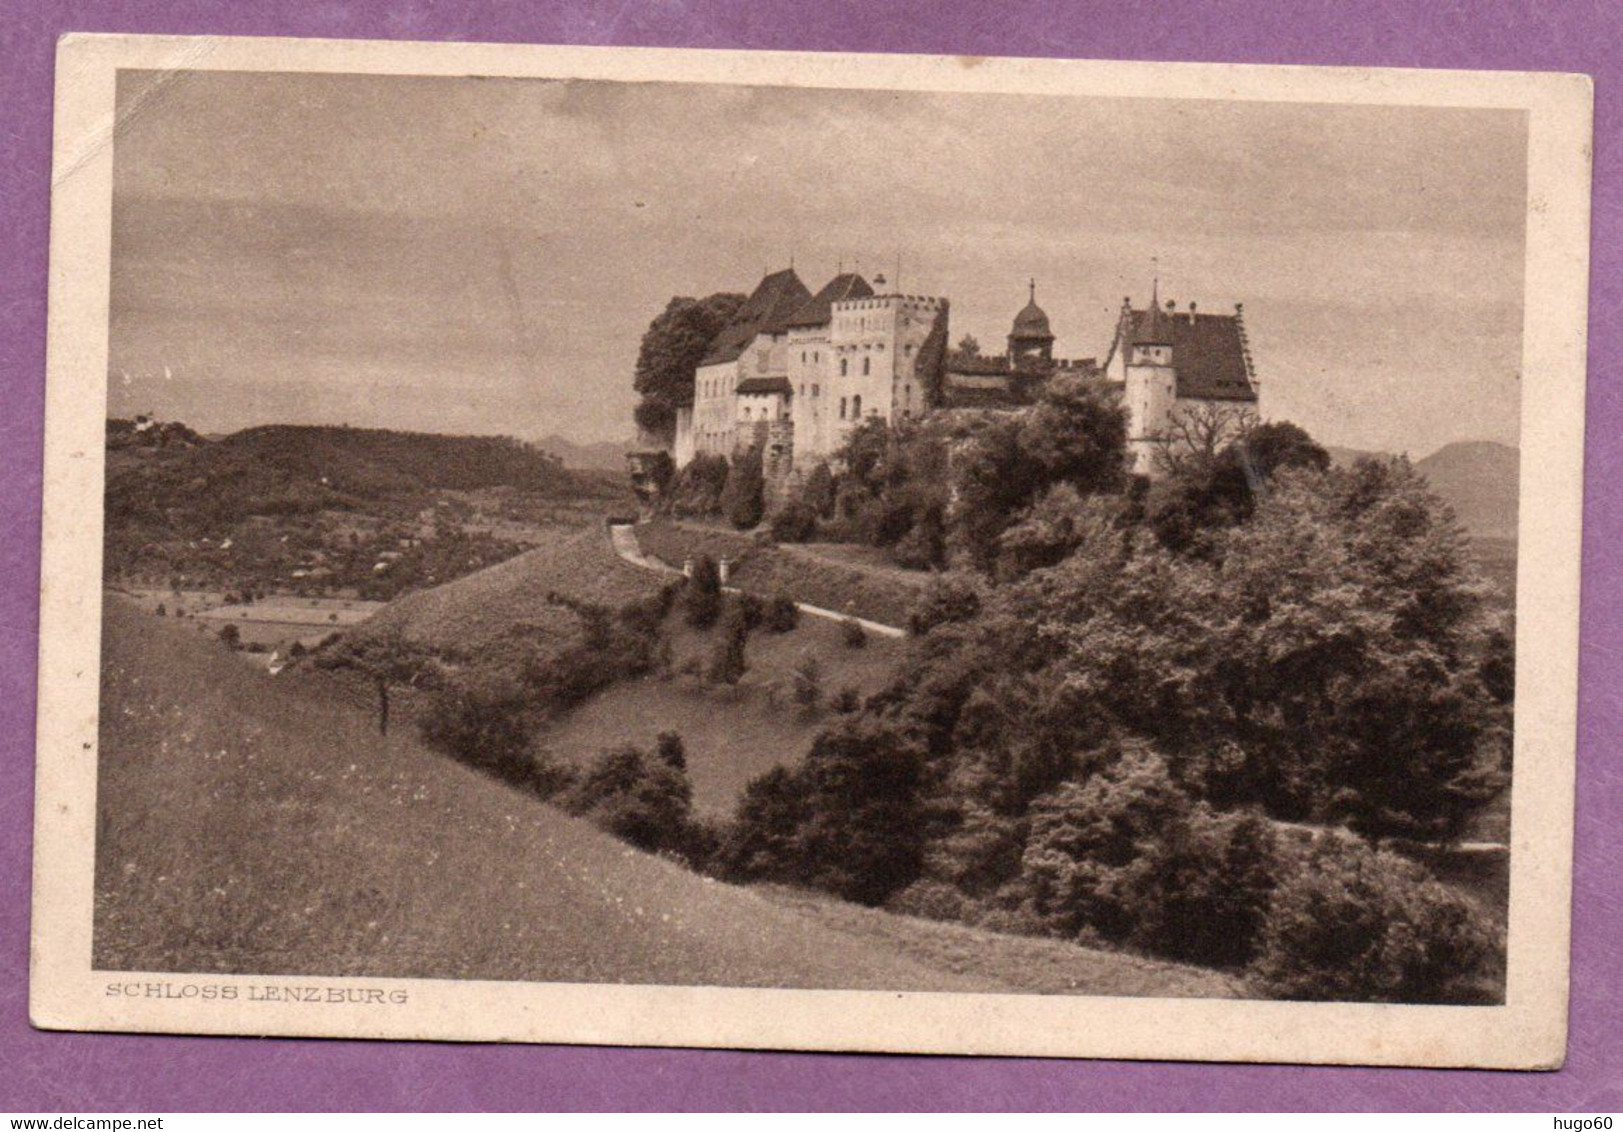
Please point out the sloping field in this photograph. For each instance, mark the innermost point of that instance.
(474, 612)
(255, 824)
(731, 735)
(831, 581)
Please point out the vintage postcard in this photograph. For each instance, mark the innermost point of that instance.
(806, 551)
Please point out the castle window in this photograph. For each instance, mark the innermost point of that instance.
(817, 390)
(842, 408)
(845, 368)
(856, 407)
(864, 367)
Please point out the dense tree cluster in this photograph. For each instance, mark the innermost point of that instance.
(1105, 737)
(936, 494)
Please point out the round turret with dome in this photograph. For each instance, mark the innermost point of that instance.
(1031, 337)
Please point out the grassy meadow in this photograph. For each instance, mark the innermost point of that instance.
(257, 824)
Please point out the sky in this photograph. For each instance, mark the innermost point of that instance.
(483, 255)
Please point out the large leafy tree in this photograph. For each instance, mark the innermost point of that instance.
(672, 348)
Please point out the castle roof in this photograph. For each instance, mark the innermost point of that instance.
(819, 309)
(1031, 324)
(766, 311)
(1208, 351)
(764, 385)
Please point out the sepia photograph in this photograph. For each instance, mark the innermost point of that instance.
(1034, 549)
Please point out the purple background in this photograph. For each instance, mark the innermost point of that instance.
(77, 1072)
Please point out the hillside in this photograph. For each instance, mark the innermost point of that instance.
(328, 511)
(378, 463)
(1479, 480)
(308, 844)
(474, 612)
(834, 577)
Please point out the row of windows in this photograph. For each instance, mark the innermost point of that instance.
(817, 391)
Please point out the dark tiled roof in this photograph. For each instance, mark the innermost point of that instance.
(1031, 324)
(764, 385)
(766, 311)
(819, 309)
(1208, 352)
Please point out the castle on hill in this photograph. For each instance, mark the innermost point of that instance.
(794, 372)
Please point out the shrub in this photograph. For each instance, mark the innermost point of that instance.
(727, 662)
(161, 611)
(949, 598)
(668, 748)
(853, 634)
(640, 800)
(847, 700)
(924, 546)
(644, 615)
(863, 833)
(698, 486)
(794, 522)
(231, 636)
(297, 650)
(760, 842)
(752, 609)
(818, 494)
(701, 596)
(1087, 837)
(1201, 893)
(782, 614)
(483, 725)
(1351, 923)
(808, 681)
(607, 653)
(743, 499)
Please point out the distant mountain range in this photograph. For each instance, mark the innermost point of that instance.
(1477, 478)
(604, 455)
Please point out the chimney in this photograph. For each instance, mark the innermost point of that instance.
(1191, 314)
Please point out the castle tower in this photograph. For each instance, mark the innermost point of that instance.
(1167, 362)
(1031, 337)
(1151, 379)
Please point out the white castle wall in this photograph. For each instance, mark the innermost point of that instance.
(808, 355)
